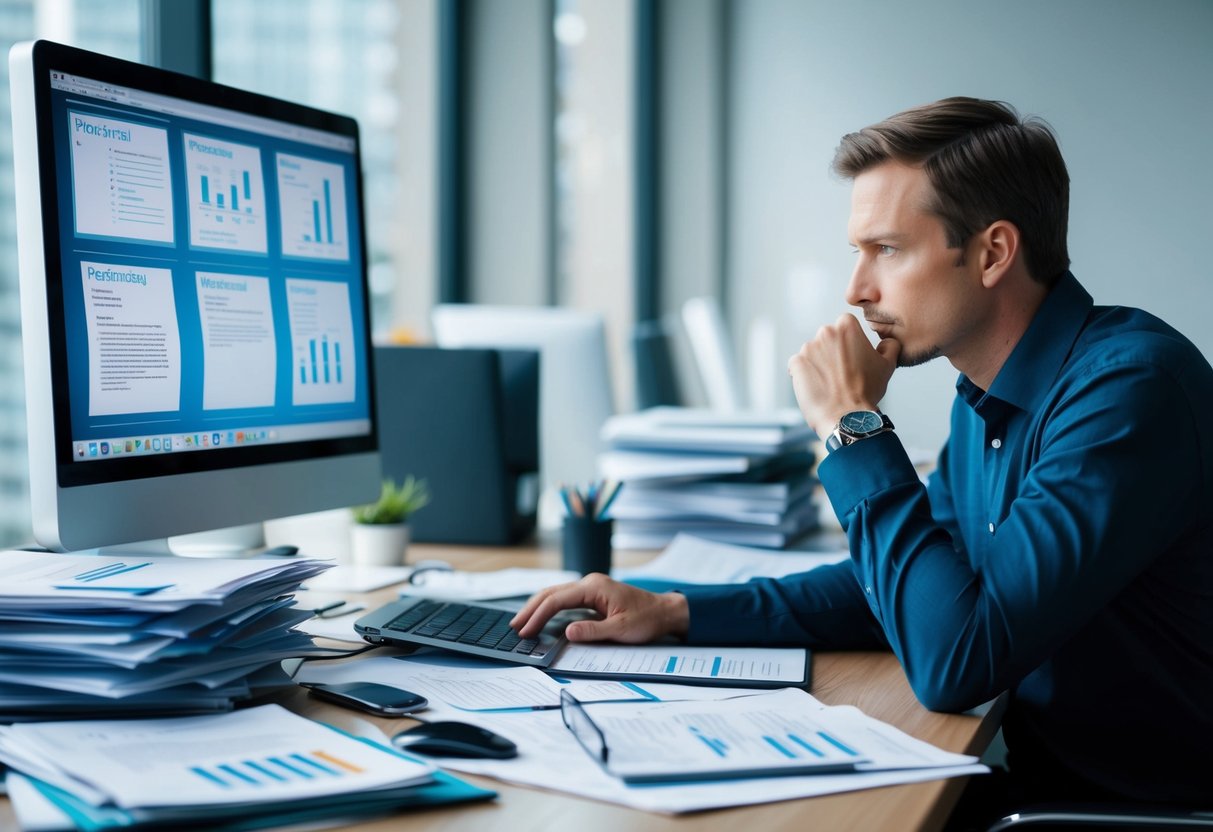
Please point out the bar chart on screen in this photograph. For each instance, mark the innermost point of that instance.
(313, 200)
(227, 195)
(322, 340)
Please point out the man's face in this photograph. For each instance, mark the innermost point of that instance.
(910, 285)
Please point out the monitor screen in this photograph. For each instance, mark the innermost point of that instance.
(194, 302)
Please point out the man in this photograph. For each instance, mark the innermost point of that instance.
(1063, 549)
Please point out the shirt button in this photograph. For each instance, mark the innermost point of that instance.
(991, 528)
(868, 589)
(996, 444)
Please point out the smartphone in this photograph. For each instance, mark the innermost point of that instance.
(375, 698)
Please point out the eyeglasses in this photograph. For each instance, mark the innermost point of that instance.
(587, 732)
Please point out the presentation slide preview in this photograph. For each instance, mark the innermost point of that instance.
(227, 195)
(215, 297)
(120, 178)
(122, 189)
(134, 342)
(322, 341)
(239, 352)
(311, 194)
(134, 347)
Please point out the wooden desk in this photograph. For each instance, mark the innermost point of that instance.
(872, 681)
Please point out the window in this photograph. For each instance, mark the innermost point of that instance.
(593, 170)
(373, 60)
(109, 26)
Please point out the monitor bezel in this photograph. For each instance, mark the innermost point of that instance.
(48, 56)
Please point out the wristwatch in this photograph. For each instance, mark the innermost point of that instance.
(856, 425)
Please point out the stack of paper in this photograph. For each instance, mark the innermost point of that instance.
(693, 560)
(734, 477)
(249, 768)
(109, 636)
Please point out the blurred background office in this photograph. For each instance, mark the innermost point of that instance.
(624, 156)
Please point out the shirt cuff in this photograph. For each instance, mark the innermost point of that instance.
(715, 613)
(853, 473)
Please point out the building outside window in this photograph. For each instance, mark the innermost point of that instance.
(108, 26)
(370, 59)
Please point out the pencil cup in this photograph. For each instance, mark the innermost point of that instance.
(587, 545)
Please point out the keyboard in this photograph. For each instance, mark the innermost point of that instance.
(479, 629)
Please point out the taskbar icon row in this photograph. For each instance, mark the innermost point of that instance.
(170, 443)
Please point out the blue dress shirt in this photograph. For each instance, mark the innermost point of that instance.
(1062, 551)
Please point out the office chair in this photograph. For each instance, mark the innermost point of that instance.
(1074, 816)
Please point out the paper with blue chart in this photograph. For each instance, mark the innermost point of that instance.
(248, 769)
(785, 732)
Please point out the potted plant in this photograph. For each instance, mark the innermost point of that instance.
(380, 530)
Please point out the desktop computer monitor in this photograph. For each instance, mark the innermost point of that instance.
(574, 382)
(194, 302)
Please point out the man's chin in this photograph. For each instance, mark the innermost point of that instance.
(913, 359)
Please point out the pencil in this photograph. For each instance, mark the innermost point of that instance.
(609, 494)
(578, 504)
(564, 498)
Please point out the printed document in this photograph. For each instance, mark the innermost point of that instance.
(251, 756)
(711, 562)
(786, 732)
(550, 758)
(467, 684)
(779, 666)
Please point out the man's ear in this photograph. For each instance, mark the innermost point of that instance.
(997, 251)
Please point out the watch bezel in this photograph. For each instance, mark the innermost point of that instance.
(872, 422)
(842, 436)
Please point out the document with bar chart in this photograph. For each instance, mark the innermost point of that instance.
(720, 666)
(785, 732)
(312, 198)
(781, 733)
(258, 755)
(227, 195)
(322, 341)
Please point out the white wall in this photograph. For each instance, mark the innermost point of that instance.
(1128, 86)
(599, 249)
(414, 249)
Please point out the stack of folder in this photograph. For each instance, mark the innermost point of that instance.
(88, 635)
(741, 478)
(244, 770)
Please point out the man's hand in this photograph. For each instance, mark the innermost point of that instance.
(839, 371)
(629, 615)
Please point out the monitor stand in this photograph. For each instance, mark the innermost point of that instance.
(234, 542)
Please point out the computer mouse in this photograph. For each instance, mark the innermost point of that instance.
(454, 739)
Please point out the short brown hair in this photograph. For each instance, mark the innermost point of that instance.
(984, 164)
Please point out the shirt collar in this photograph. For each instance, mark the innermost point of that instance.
(1037, 359)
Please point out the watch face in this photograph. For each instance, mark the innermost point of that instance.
(861, 421)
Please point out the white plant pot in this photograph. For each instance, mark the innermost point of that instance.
(379, 544)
